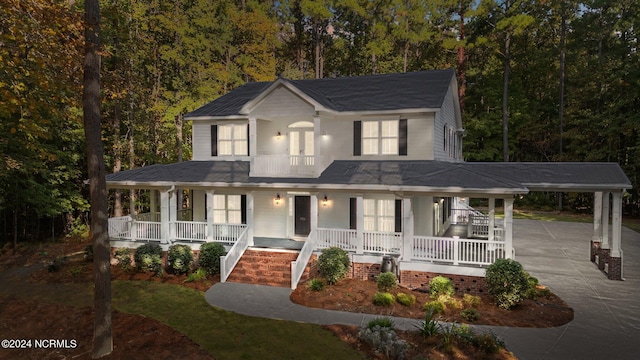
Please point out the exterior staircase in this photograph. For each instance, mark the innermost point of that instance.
(265, 267)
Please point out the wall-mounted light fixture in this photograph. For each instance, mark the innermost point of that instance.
(277, 199)
(325, 201)
(278, 135)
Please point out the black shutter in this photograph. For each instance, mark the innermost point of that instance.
(402, 137)
(357, 138)
(398, 215)
(353, 211)
(214, 140)
(248, 141)
(205, 205)
(243, 209)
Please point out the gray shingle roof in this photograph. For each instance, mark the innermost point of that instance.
(415, 90)
(411, 175)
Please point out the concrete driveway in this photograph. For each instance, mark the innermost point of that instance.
(607, 313)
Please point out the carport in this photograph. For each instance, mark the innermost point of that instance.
(606, 181)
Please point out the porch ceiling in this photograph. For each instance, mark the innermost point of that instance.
(409, 176)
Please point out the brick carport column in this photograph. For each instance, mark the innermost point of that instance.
(615, 253)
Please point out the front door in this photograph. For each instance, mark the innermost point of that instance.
(302, 213)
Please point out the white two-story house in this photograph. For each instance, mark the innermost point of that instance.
(372, 164)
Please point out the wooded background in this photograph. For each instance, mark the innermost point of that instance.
(554, 80)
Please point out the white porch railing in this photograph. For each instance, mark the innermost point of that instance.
(283, 165)
(342, 238)
(382, 242)
(190, 231)
(147, 230)
(227, 232)
(300, 263)
(457, 251)
(119, 227)
(229, 261)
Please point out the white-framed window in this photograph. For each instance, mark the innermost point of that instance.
(380, 137)
(227, 209)
(379, 215)
(232, 140)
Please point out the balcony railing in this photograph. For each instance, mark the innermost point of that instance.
(457, 251)
(283, 165)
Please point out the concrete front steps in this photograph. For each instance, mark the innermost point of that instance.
(265, 267)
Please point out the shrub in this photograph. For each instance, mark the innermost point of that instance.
(383, 299)
(488, 342)
(440, 285)
(316, 284)
(148, 257)
(387, 281)
(209, 258)
(384, 340)
(197, 275)
(507, 282)
(381, 322)
(471, 300)
(532, 285)
(88, 253)
(179, 258)
(56, 264)
(470, 314)
(450, 302)
(429, 326)
(406, 299)
(123, 257)
(333, 264)
(437, 306)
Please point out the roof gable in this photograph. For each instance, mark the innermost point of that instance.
(388, 92)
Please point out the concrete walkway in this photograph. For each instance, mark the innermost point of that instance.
(607, 313)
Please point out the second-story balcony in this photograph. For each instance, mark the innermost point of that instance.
(284, 165)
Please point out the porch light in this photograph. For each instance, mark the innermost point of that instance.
(325, 201)
(277, 199)
(278, 135)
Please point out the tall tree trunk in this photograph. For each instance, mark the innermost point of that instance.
(462, 69)
(102, 335)
(563, 45)
(505, 98)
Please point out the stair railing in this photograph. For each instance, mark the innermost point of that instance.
(228, 262)
(299, 264)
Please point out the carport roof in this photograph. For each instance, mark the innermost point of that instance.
(411, 176)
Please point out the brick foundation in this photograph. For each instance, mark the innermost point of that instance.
(595, 247)
(603, 257)
(615, 268)
(462, 283)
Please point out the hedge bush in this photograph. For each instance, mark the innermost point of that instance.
(405, 299)
(440, 285)
(333, 264)
(387, 281)
(209, 258)
(148, 257)
(123, 257)
(507, 282)
(383, 299)
(179, 259)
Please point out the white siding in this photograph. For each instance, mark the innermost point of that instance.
(336, 214)
(199, 210)
(445, 117)
(282, 103)
(270, 220)
(423, 215)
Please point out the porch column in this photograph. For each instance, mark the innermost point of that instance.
(492, 218)
(360, 224)
(605, 220)
(314, 212)
(407, 229)
(165, 217)
(250, 207)
(209, 210)
(508, 228)
(317, 138)
(615, 255)
(173, 213)
(253, 131)
(133, 231)
(596, 238)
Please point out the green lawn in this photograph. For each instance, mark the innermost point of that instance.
(224, 334)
